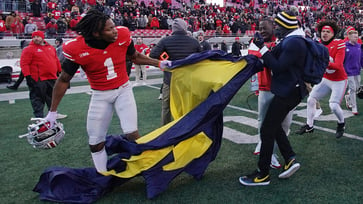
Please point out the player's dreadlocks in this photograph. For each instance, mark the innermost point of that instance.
(94, 21)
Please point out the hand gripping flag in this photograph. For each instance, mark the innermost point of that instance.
(201, 87)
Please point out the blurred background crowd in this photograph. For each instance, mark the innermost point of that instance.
(19, 18)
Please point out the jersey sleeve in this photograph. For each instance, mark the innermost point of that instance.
(124, 36)
(70, 65)
(339, 56)
(69, 50)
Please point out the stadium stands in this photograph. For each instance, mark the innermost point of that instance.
(206, 17)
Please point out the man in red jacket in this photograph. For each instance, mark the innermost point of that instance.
(140, 69)
(40, 66)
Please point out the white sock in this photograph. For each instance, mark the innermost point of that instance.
(100, 160)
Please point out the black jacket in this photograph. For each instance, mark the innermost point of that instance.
(287, 61)
(224, 47)
(236, 49)
(178, 46)
(205, 45)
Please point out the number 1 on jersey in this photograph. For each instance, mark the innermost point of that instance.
(111, 74)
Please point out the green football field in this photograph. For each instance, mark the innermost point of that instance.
(331, 169)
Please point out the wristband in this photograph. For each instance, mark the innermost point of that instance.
(263, 50)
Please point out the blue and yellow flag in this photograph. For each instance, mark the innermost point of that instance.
(201, 87)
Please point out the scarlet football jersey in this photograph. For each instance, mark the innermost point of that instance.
(335, 71)
(105, 68)
(264, 77)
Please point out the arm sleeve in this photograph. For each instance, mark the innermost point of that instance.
(70, 67)
(131, 49)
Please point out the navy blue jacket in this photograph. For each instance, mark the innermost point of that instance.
(287, 61)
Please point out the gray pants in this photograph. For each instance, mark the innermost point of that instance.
(264, 100)
(165, 107)
(353, 86)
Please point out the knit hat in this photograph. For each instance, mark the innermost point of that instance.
(349, 28)
(38, 33)
(179, 25)
(286, 20)
(237, 38)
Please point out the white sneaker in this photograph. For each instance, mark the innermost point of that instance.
(355, 111)
(275, 164)
(318, 112)
(61, 116)
(160, 97)
(257, 149)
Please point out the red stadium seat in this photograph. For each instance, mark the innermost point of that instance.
(40, 24)
(70, 34)
(209, 32)
(8, 33)
(250, 33)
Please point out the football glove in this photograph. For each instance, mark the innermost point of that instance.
(51, 118)
(258, 40)
(164, 64)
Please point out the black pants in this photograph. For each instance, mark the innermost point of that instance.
(41, 94)
(128, 67)
(271, 129)
(20, 79)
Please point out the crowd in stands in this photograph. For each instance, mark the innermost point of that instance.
(236, 18)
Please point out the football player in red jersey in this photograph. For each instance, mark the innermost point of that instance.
(101, 51)
(334, 80)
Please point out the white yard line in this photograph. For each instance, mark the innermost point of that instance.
(301, 124)
(252, 139)
(11, 97)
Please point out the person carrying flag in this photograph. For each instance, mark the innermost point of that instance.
(101, 51)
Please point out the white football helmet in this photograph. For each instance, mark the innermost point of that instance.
(40, 135)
